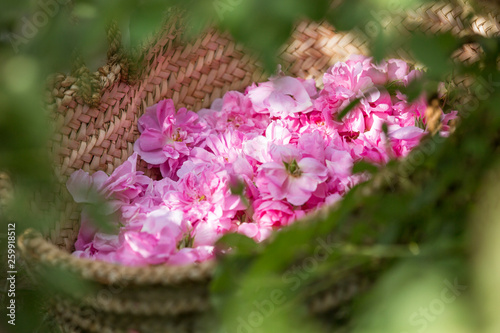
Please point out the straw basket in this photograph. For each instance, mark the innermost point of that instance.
(96, 119)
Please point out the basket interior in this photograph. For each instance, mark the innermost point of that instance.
(194, 74)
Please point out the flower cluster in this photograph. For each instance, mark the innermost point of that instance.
(252, 163)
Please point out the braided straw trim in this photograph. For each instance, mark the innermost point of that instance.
(37, 249)
(341, 293)
(152, 301)
(76, 318)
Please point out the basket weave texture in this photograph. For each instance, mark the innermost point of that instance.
(98, 133)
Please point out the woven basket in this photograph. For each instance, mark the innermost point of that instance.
(96, 114)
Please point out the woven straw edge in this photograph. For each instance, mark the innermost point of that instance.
(35, 247)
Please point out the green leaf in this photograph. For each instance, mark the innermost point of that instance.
(348, 108)
(434, 51)
(57, 279)
(350, 14)
(238, 243)
(363, 166)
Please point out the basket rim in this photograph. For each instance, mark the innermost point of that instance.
(34, 246)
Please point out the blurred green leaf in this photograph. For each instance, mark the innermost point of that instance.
(363, 166)
(348, 108)
(239, 243)
(57, 280)
(434, 51)
(145, 20)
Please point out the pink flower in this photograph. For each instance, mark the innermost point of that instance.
(234, 111)
(164, 220)
(187, 256)
(290, 176)
(281, 97)
(348, 75)
(445, 120)
(203, 193)
(406, 114)
(256, 231)
(83, 187)
(274, 213)
(125, 183)
(141, 248)
(339, 163)
(277, 133)
(241, 114)
(387, 71)
(167, 134)
(100, 247)
(206, 233)
(404, 139)
(331, 103)
(228, 145)
(257, 150)
(86, 233)
(156, 241)
(312, 145)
